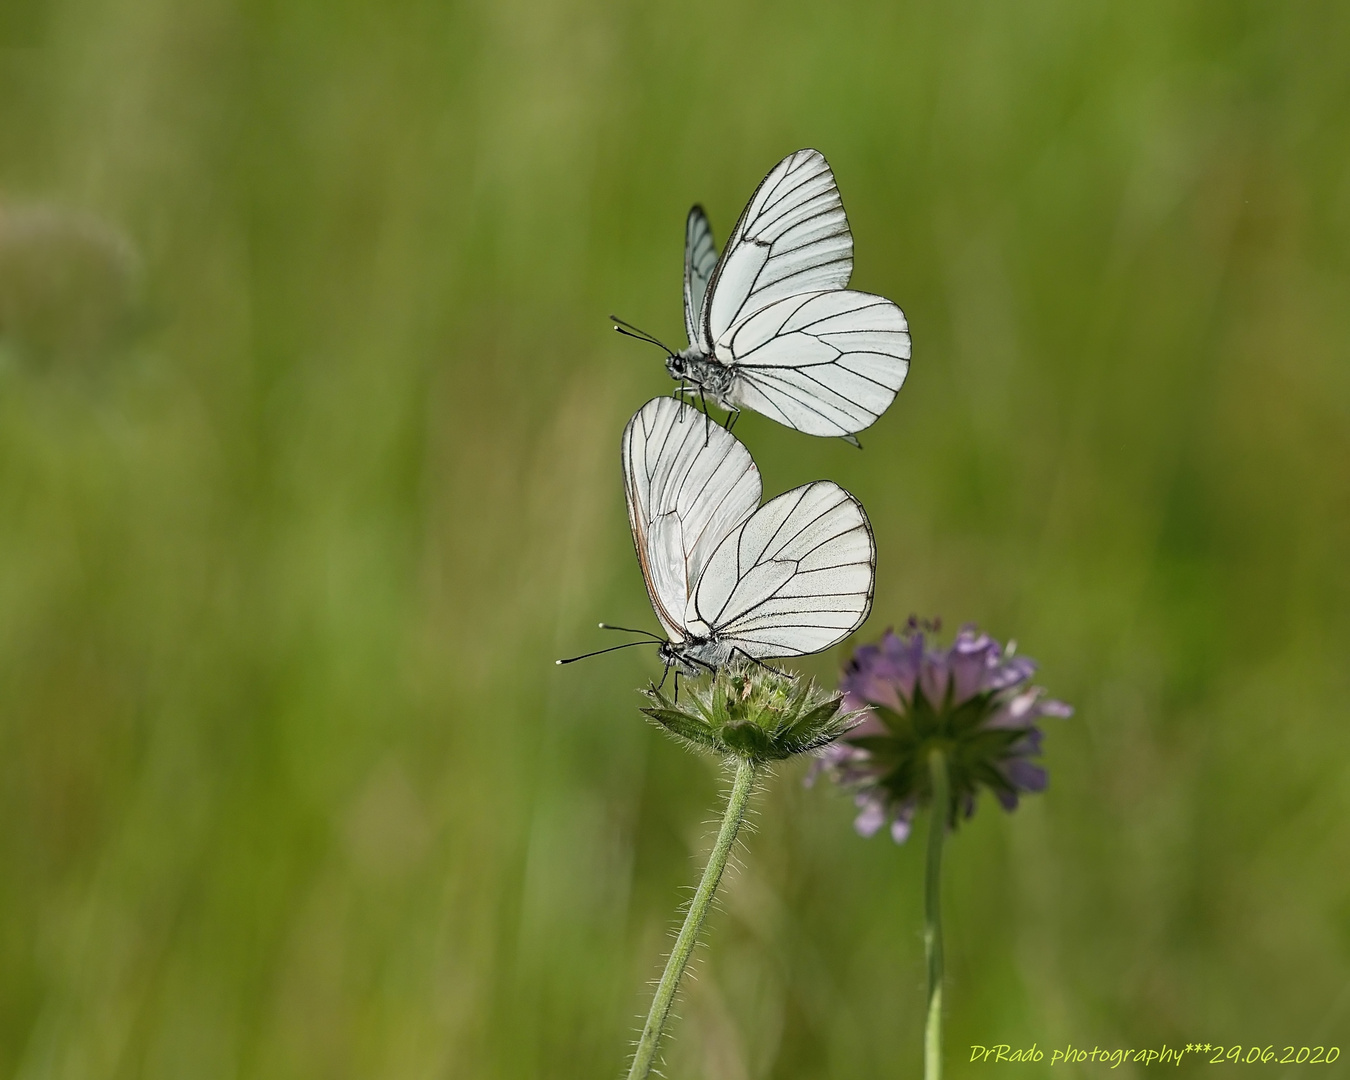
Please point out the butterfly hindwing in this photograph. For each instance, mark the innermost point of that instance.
(826, 363)
(795, 579)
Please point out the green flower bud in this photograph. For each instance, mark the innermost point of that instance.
(753, 713)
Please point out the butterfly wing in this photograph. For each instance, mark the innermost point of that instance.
(796, 579)
(689, 484)
(828, 363)
(792, 238)
(700, 259)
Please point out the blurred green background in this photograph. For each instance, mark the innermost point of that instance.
(309, 420)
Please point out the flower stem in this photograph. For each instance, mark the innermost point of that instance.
(932, 930)
(693, 922)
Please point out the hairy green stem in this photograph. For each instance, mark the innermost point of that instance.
(693, 922)
(932, 929)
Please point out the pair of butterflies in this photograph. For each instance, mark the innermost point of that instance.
(772, 328)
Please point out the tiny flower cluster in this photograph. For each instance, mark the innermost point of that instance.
(972, 701)
(753, 713)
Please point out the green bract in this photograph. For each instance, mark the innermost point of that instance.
(753, 713)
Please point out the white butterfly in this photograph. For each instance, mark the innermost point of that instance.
(726, 576)
(771, 325)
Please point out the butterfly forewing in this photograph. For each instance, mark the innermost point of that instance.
(689, 484)
(700, 259)
(792, 238)
(796, 579)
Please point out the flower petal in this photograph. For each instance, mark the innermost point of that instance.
(1009, 673)
(872, 818)
(972, 656)
(1024, 775)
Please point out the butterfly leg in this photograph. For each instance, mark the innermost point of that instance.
(707, 420)
(677, 687)
(761, 663)
(679, 390)
(704, 664)
(664, 675)
(732, 416)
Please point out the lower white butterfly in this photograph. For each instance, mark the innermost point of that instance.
(729, 578)
(772, 326)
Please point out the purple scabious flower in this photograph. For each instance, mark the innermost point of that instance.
(972, 700)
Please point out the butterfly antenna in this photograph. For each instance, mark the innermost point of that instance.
(630, 630)
(601, 652)
(627, 329)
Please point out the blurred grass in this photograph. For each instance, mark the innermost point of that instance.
(293, 527)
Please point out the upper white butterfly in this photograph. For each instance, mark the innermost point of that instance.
(727, 576)
(771, 325)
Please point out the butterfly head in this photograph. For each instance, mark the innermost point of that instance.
(673, 655)
(695, 656)
(705, 373)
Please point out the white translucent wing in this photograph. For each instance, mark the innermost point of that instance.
(827, 363)
(689, 484)
(700, 259)
(792, 238)
(796, 579)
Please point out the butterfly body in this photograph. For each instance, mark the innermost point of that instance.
(695, 655)
(771, 324)
(707, 375)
